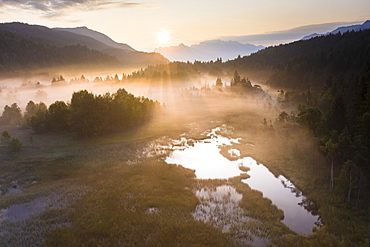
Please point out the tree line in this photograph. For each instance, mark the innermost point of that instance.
(300, 65)
(86, 115)
(339, 117)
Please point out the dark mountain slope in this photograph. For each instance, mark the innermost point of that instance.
(52, 37)
(308, 63)
(97, 36)
(138, 58)
(55, 37)
(18, 53)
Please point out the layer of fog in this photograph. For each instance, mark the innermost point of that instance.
(172, 95)
(41, 89)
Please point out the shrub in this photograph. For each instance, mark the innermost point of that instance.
(15, 145)
(5, 136)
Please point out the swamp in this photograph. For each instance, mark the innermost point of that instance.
(211, 168)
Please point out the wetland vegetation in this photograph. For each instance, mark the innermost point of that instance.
(100, 168)
(118, 190)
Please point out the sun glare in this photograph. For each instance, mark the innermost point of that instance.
(163, 37)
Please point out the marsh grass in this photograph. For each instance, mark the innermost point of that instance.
(131, 199)
(30, 217)
(115, 213)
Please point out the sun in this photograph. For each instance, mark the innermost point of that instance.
(163, 37)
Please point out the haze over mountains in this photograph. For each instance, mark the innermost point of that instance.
(208, 50)
(228, 50)
(25, 47)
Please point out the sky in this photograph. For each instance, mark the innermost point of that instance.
(149, 24)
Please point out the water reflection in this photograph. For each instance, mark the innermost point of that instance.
(205, 158)
(283, 194)
(219, 207)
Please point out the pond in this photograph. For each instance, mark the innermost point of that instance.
(205, 157)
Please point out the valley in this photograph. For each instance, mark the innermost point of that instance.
(104, 145)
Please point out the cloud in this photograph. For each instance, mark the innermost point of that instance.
(129, 5)
(284, 36)
(52, 8)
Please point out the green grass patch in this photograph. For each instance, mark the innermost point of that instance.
(117, 212)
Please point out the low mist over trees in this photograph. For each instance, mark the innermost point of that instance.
(87, 114)
(11, 115)
(300, 65)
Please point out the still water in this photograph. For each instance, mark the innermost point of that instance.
(205, 158)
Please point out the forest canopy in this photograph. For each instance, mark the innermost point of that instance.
(307, 64)
(87, 115)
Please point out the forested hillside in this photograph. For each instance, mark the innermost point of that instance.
(42, 34)
(339, 117)
(91, 39)
(18, 53)
(307, 63)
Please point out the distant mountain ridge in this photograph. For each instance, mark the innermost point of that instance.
(61, 37)
(52, 37)
(363, 26)
(208, 50)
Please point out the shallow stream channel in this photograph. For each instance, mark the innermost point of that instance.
(215, 155)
